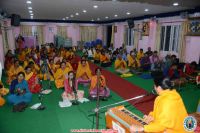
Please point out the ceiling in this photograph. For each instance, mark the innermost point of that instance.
(59, 9)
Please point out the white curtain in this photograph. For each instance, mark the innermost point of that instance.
(136, 37)
(182, 42)
(125, 35)
(62, 31)
(88, 33)
(26, 30)
(158, 34)
(112, 36)
(40, 35)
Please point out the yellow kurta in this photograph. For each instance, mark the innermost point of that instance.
(132, 63)
(3, 92)
(12, 73)
(26, 62)
(97, 56)
(60, 76)
(169, 114)
(81, 71)
(120, 64)
(104, 59)
(140, 55)
(94, 82)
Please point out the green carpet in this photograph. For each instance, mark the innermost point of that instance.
(54, 119)
(61, 120)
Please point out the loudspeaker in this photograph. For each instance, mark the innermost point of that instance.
(15, 20)
(130, 23)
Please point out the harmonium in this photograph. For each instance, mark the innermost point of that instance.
(121, 119)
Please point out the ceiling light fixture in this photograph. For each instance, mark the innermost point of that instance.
(98, 19)
(84, 11)
(28, 2)
(106, 17)
(67, 17)
(77, 14)
(175, 4)
(92, 20)
(146, 10)
(71, 16)
(30, 11)
(31, 14)
(31, 17)
(95, 6)
(116, 15)
(30, 8)
(128, 13)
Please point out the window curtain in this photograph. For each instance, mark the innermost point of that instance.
(158, 36)
(40, 35)
(125, 35)
(182, 42)
(26, 30)
(88, 33)
(62, 31)
(112, 36)
(136, 37)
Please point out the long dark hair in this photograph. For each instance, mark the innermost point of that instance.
(73, 79)
(160, 80)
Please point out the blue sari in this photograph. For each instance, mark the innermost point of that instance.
(14, 98)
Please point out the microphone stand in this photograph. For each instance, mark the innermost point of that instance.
(40, 96)
(75, 102)
(97, 104)
(109, 105)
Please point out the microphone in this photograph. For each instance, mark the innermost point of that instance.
(137, 98)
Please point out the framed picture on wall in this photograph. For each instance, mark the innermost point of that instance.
(145, 28)
(193, 27)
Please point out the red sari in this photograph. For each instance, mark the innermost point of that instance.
(33, 84)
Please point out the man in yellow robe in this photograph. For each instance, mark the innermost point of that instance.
(61, 74)
(13, 71)
(105, 60)
(120, 65)
(133, 62)
(140, 54)
(97, 55)
(83, 74)
(169, 111)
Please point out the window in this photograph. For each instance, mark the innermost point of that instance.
(170, 38)
(129, 36)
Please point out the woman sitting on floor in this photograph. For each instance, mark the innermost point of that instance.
(13, 71)
(97, 56)
(34, 67)
(120, 65)
(32, 79)
(61, 74)
(190, 71)
(155, 62)
(104, 92)
(71, 90)
(175, 75)
(83, 74)
(105, 61)
(133, 62)
(3, 92)
(140, 54)
(145, 63)
(19, 91)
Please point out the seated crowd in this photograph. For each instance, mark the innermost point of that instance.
(139, 61)
(27, 67)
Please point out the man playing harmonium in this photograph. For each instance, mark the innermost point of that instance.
(169, 111)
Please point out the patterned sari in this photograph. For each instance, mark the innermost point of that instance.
(33, 84)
